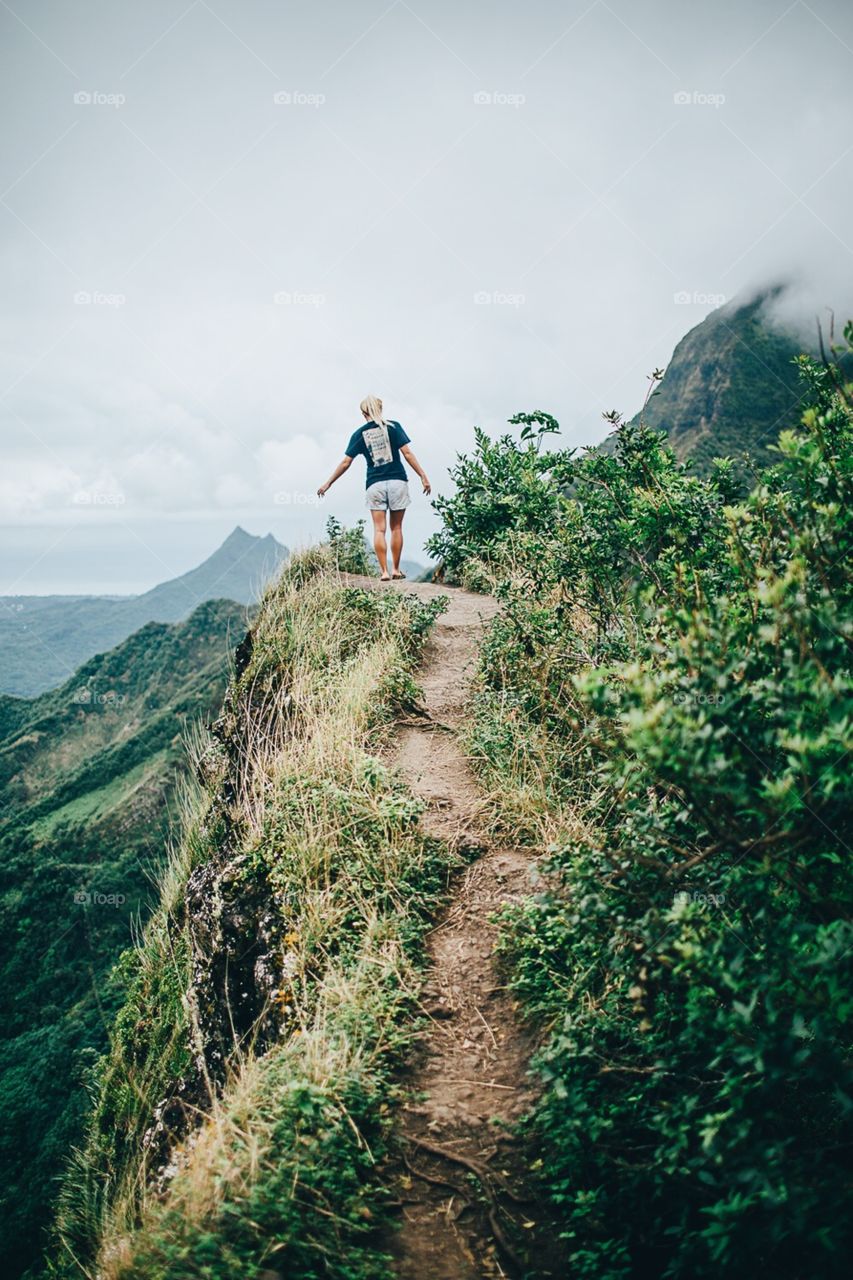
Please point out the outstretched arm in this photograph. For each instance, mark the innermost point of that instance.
(339, 470)
(416, 467)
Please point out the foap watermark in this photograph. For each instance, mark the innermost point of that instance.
(96, 98)
(296, 298)
(681, 698)
(695, 897)
(296, 498)
(87, 898)
(497, 298)
(693, 98)
(297, 98)
(98, 498)
(88, 697)
(686, 298)
(95, 298)
(497, 98)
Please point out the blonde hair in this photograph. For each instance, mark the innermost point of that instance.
(372, 407)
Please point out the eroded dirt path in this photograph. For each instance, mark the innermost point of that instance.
(461, 1179)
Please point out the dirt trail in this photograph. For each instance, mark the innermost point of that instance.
(467, 1083)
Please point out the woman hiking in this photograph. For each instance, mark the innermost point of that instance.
(382, 442)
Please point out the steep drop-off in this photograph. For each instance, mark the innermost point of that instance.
(89, 779)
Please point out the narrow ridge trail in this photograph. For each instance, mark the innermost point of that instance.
(460, 1182)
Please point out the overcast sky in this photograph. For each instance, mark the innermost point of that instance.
(225, 221)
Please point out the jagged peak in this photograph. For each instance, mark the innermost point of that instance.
(238, 534)
(240, 537)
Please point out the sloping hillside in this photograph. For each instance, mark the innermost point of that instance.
(45, 639)
(730, 387)
(88, 780)
(238, 570)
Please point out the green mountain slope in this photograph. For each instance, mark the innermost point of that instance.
(45, 639)
(89, 775)
(730, 387)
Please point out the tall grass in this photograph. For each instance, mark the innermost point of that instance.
(275, 1170)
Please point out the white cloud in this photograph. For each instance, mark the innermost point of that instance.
(382, 214)
(36, 486)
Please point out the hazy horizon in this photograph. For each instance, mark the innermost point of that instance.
(223, 224)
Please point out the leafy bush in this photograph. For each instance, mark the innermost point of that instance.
(671, 682)
(348, 547)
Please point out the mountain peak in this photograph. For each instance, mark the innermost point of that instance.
(239, 539)
(238, 535)
(732, 383)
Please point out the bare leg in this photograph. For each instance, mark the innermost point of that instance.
(396, 539)
(379, 542)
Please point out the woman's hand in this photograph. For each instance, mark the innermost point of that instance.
(344, 465)
(427, 486)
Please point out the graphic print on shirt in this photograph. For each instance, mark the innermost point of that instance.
(378, 444)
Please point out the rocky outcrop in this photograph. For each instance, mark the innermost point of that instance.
(233, 918)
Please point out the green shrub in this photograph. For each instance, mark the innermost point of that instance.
(671, 678)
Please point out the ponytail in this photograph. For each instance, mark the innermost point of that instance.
(372, 407)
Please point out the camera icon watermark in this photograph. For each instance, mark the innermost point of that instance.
(98, 498)
(296, 298)
(296, 498)
(496, 98)
(95, 298)
(95, 98)
(686, 298)
(87, 697)
(693, 98)
(497, 298)
(694, 897)
(84, 898)
(697, 699)
(296, 98)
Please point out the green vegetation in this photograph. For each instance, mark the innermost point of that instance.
(666, 705)
(241, 1107)
(663, 712)
(89, 775)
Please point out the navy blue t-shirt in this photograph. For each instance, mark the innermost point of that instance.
(381, 447)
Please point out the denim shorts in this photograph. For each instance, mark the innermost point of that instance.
(388, 495)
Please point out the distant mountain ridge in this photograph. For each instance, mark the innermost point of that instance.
(43, 640)
(238, 570)
(731, 385)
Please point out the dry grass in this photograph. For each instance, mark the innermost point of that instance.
(236, 1147)
(338, 837)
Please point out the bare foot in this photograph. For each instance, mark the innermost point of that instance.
(397, 574)
(384, 577)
